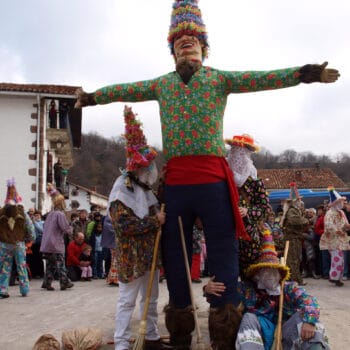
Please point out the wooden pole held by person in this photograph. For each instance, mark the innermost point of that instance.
(277, 343)
(199, 343)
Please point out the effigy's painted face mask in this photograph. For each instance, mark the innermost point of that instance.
(188, 47)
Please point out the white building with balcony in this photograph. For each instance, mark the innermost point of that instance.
(38, 125)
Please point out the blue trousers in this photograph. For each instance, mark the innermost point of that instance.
(97, 267)
(211, 203)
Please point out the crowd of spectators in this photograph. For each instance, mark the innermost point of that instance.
(88, 228)
(315, 263)
(87, 232)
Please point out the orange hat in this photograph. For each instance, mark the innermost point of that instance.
(244, 140)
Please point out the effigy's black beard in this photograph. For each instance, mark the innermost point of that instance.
(186, 68)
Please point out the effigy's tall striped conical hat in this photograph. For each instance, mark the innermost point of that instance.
(186, 19)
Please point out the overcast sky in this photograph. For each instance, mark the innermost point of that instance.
(93, 43)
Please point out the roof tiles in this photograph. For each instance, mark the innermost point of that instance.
(312, 178)
(39, 88)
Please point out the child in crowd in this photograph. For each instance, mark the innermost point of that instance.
(95, 242)
(86, 271)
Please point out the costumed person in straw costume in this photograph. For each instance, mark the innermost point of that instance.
(335, 238)
(293, 223)
(198, 181)
(254, 201)
(133, 209)
(56, 227)
(16, 228)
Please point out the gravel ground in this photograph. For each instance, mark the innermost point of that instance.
(92, 304)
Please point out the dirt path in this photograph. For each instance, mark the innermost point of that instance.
(92, 304)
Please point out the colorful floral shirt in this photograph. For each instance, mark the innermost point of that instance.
(257, 202)
(192, 115)
(135, 239)
(295, 300)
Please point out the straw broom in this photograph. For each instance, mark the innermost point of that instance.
(140, 340)
(199, 344)
(277, 342)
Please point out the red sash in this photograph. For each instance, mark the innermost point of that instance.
(192, 170)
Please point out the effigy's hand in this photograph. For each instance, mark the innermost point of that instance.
(84, 99)
(329, 75)
(311, 73)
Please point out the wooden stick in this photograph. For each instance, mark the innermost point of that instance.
(277, 343)
(140, 340)
(200, 344)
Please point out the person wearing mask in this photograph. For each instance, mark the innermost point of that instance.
(346, 210)
(293, 224)
(260, 294)
(335, 238)
(253, 198)
(16, 228)
(135, 215)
